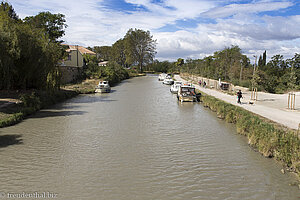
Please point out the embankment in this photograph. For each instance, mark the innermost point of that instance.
(269, 139)
(32, 102)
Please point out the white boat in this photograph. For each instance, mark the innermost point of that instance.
(186, 92)
(162, 76)
(103, 87)
(168, 81)
(174, 88)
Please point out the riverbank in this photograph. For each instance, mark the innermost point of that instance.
(88, 86)
(24, 103)
(271, 139)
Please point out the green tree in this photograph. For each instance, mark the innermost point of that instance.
(118, 52)
(92, 69)
(103, 52)
(264, 58)
(294, 63)
(9, 50)
(260, 62)
(140, 47)
(53, 24)
(9, 10)
(28, 58)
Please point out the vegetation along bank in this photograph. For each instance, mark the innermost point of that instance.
(30, 102)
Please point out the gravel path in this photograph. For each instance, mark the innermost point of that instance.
(271, 106)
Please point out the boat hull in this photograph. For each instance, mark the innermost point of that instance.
(168, 82)
(187, 98)
(174, 91)
(102, 90)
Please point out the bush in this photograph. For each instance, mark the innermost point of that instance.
(31, 100)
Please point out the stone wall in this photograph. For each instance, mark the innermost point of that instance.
(69, 74)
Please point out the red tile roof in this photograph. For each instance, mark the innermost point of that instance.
(81, 49)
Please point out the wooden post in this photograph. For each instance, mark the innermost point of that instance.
(294, 101)
(254, 94)
(291, 101)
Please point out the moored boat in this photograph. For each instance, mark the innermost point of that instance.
(174, 88)
(103, 87)
(186, 92)
(162, 76)
(168, 81)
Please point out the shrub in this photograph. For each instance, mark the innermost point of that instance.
(31, 100)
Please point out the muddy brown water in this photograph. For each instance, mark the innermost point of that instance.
(138, 143)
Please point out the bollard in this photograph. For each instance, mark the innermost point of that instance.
(289, 97)
(291, 101)
(254, 94)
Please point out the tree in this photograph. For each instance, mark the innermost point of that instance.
(52, 24)
(260, 62)
(140, 47)
(9, 10)
(103, 52)
(28, 57)
(264, 58)
(118, 52)
(9, 50)
(294, 63)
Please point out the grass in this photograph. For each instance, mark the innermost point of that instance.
(30, 103)
(269, 139)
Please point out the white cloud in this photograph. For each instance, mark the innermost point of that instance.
(90, 24)
(233, 9)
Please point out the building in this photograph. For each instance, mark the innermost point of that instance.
(72, 66)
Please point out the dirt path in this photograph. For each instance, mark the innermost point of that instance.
(271, 106)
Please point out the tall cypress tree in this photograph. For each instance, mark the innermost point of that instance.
(265, 58)
(260, 62)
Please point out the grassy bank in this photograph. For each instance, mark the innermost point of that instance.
(269, 139)
(30, 103)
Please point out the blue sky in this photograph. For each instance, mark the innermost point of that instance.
(182, 28)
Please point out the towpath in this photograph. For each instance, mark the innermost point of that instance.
(270, 106)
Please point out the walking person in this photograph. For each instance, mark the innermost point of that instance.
(239, 96)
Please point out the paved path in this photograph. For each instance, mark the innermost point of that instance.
(271, 106)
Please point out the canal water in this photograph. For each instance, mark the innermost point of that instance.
(136, 143)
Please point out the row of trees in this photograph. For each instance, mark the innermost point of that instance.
(113, 72)
(30, 49)
(276, 76)
(137, 47)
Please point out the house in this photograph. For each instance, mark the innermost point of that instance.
(72, 66)
(75, 55)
